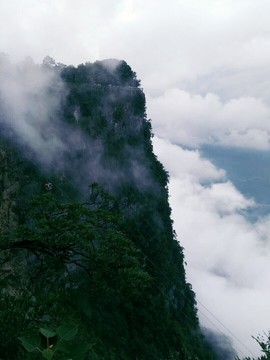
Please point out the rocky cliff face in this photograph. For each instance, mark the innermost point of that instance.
(122, 281)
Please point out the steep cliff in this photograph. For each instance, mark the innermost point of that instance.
(86, 233)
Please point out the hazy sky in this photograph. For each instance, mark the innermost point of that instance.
(204, 66)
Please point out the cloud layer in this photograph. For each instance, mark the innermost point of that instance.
(193, 120)
(227, 256)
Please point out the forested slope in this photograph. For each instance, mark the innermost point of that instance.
(86, 234)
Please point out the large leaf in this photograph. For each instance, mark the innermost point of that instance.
(47, 354)
(30, 342)
(67, 331)
(48, 333)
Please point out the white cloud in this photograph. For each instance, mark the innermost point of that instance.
(164, 43)
(228, 258)
(193, 120)
(189, 162)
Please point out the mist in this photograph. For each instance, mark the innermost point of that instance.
(221, 344)
(30, 103)
(34, 104)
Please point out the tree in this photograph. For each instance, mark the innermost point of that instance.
(60, 251)
(264, 342)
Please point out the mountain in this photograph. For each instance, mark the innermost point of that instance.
(87, 242)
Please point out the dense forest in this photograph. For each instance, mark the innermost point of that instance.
(90, 267)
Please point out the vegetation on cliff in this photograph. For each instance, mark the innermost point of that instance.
(86, 233)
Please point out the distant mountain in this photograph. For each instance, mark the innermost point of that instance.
(86, 234)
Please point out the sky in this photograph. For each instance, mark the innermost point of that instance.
(204, 66)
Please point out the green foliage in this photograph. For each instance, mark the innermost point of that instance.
(109, 264)
(264, 342)
(59, 343)
(30, 342)
(72, 248)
